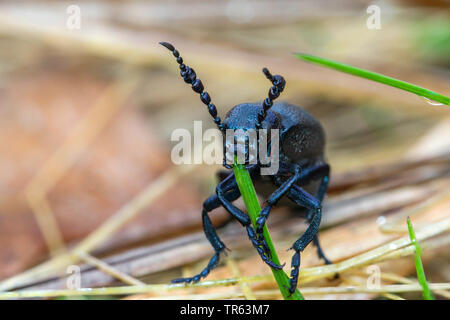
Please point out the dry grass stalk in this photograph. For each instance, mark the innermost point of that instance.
(125, 278)
(98, 116)
(246, 290)
(122, 216)
(132, 53)
(306, 274)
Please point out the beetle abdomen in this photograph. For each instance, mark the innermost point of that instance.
(303, 138)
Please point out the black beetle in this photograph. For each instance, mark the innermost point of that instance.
(302, 170)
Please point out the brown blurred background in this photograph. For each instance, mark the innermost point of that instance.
(86, 114)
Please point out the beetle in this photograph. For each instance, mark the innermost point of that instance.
(302, 176)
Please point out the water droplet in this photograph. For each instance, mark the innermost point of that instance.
(432, 102)
(381, 220)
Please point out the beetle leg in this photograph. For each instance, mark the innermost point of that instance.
(320, 252)
(222, 174)
(322, 171)
(272, 200)
(304, 199)
(320, 195)
(229, 184)
(315, 172)
(210, 204)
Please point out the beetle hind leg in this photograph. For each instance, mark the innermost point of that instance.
(323, 187)
(320, 252)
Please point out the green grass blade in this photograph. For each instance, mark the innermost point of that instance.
(248, 193)
(376, 77)
(427, 295)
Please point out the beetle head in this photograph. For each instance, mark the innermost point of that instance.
(245, 116)
(243, 135)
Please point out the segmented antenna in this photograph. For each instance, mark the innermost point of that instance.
(274, 92)
(190, 77)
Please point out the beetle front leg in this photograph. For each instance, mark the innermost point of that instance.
(272, 200)
(243, 219)
(210, 204)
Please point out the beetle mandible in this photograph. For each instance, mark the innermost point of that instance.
(302, 176)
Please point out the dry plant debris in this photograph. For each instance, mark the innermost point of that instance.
(79, 177)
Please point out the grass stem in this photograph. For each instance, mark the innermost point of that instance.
(431, 95)
(427, 295)
(248, 193)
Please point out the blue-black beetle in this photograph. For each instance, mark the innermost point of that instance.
(302, 176)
